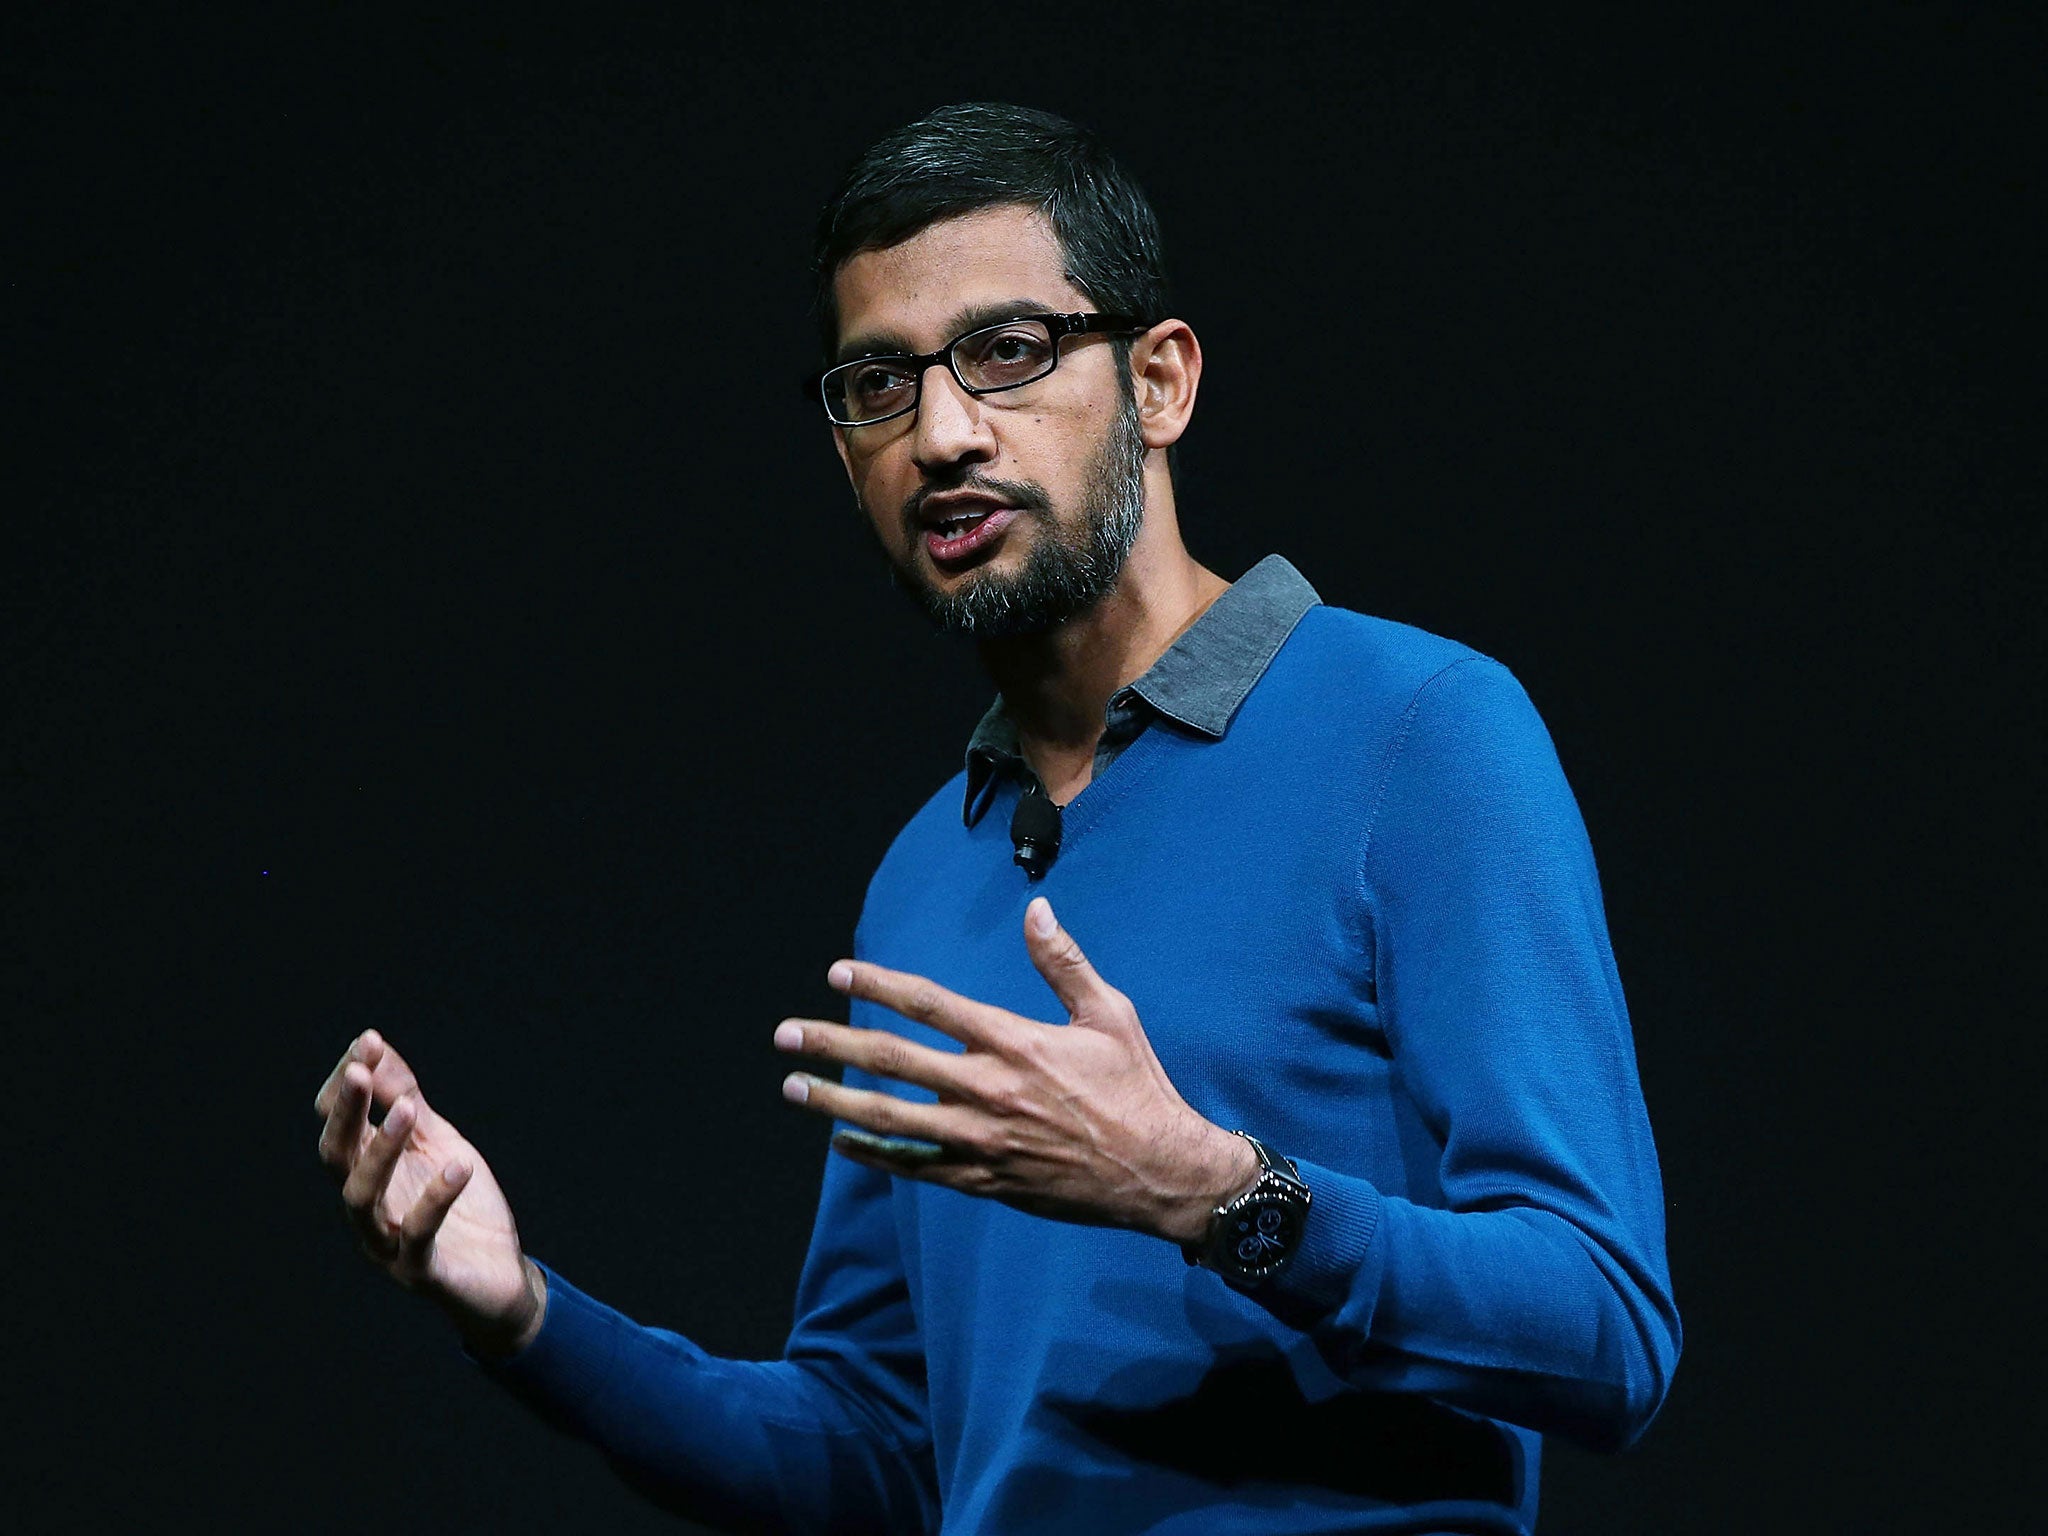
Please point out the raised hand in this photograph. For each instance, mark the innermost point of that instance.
(1080, 1124)
(423, 1201)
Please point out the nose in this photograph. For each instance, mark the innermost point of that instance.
(951, 428)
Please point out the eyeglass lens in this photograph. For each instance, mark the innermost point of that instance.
(1000, 357)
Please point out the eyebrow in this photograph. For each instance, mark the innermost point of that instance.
(971, 318)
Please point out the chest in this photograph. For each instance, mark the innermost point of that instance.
(1232, 917)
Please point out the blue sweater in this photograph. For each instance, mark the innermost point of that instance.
(1364, 925)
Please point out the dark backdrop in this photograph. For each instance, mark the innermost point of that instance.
(431, 608)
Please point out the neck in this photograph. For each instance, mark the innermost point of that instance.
(1057, 685)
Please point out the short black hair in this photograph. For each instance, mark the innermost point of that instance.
(986, 154)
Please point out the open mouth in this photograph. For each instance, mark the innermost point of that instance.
(962, 534)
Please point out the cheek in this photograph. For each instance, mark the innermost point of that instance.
(877, 490)
(860, 469)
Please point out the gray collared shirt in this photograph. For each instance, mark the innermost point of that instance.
(1198, 684)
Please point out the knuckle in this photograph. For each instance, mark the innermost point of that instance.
(887, 1056)
(372, 1231)
(1033, 1047)
(364, 1183)
(980, 1141)
(418, 1225)
(925, 1001)
(886, 1114)
(1008, 1099)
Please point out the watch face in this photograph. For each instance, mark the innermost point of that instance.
(1263, 1234)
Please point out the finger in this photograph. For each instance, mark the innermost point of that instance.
(897, 1151)
(920, 1160)
(879, 1051)
(868, 1155)
(390, 1078)
(1060, 961)
(363, 1194)
(885, 1114)
(347, 1117)
(941, 1165)
(922, 1001)
(358, 1051)
(417, 1231)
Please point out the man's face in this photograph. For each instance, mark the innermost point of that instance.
(1002, 514)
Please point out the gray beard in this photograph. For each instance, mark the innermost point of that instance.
(1068, 571)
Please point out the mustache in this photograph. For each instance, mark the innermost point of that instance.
(1025, 495)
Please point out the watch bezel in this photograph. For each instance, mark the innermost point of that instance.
(1278, 1187)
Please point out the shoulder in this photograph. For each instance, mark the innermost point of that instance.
(1363, 648)
(1394, 671)
(1433, 715)
(1458, 743)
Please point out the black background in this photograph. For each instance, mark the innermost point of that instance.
(431, 608)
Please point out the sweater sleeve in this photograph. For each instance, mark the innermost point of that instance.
(831, 1437)
(1537, 1290)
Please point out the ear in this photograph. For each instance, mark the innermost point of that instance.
(1166, 370)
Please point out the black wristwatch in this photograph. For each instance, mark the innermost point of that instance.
(1252, 1238)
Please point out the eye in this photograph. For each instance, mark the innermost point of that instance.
(1004, 354)
(1011, 348)
(877, 382)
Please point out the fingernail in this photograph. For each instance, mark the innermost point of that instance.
(841, 975)
(1041, 917)
(455, 1173)
(796, 1088)
(789, 1036)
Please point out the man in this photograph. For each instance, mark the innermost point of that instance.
(1308, 1196)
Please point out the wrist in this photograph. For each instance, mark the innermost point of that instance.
(501, 1337)
(1255, 1234)
(1224, 1168)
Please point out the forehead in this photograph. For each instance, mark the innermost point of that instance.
(909, 293)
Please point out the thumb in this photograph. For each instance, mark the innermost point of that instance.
(1065, 969)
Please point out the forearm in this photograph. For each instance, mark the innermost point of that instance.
(743, 1445)
(1523, 1275)
(1517, 1313)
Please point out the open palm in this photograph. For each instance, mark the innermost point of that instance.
(423, 1200)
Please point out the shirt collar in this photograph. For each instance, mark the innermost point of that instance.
(1199, 682)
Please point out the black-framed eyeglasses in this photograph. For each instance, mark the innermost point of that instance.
(987, 361)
